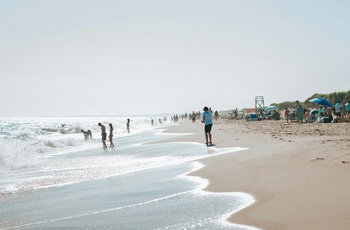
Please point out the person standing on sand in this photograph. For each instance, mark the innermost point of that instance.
(193, 117)
(338, 109)
(300, 114)
(110, 137)
(216, 115)
(208, 123)
(286, 114)
(103, 134)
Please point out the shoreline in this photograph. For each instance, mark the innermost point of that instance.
(298, 174)
(126, 196)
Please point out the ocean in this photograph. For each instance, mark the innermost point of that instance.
(52, 178)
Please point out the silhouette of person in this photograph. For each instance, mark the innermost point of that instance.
(103, 134)
(111, 136)
(128, 125)
(90, 133)
(86, 134)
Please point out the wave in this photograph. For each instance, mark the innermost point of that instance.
(24, 140)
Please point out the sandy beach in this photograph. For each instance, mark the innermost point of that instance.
(298, 173)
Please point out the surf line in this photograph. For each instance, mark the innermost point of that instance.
(101, 211)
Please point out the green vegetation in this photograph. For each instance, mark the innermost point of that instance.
(344, 97)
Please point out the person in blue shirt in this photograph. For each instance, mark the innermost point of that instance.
(208, 123)
(338, 109)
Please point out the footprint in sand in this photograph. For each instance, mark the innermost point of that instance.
(318, 159)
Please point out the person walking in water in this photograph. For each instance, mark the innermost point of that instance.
(128, 125)
(103, 134)
(111, 136)
(208, 123)
(90, 133)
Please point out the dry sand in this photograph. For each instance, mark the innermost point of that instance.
(299, 174)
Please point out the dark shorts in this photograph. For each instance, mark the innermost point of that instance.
(104, 136)
(207, 128)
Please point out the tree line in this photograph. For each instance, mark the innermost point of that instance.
(344, 97)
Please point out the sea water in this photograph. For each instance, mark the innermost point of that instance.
(51, 177)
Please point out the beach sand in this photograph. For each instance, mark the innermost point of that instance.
(299, 174)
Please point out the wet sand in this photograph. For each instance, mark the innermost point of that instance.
(298, 173)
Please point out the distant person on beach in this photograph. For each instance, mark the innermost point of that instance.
(338, 109)
(216, 115)
(330, 114)
(343, 110)
(208, 123)
(300, 114)
(103, 134)
(128, 125)
(348, 108)
(193, 117)
(86, 134)
(286, 114)
(90, 133)
(320, 113)
(110, 137)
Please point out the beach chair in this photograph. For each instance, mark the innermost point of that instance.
(252, 117)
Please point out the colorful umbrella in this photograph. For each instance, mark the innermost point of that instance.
(271, 107)
(321, 101)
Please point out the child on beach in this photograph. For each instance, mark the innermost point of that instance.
(286, 114)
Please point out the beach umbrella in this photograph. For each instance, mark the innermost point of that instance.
(321, 101)
(271, 107)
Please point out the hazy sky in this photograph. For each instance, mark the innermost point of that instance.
(132, 57)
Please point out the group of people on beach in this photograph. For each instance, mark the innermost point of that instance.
(110, 136)
(104, 135)
(88, 133)
(325, 114)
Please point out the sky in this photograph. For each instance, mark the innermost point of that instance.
(139, 57)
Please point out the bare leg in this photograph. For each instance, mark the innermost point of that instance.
(111, 142)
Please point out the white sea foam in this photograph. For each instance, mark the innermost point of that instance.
(24, 140)
(146, 166)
